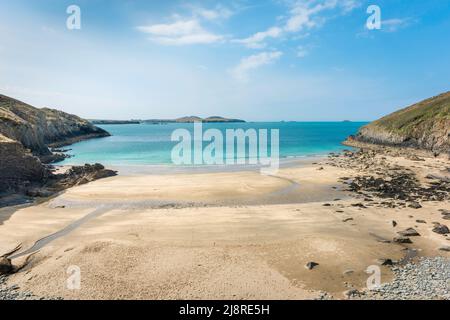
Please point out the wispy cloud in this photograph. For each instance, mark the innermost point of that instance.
(181, 32)
(350, 5)
(248, 64)
(256, 41)
(392, 25)
(188, 30)
(219, 12)
(303, 15)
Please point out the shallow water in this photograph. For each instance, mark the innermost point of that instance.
(41, 243)
(143, 144)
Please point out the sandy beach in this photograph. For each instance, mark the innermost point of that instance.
(216, 235)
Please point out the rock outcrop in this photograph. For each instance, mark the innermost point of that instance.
(79, 175)
(26, 133)
(18, 167)
(37, 129)
(425, 125)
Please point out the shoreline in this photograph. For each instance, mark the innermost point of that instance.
(168, 168)
(252, 233)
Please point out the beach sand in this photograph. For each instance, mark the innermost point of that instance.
(217, 235)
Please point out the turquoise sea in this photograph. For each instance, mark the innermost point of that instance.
(138, 144)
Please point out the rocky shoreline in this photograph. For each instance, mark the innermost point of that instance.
(426, 279)
(422, 126)
(11, 293)
(380, 183)
(30, 140)
(51, 184)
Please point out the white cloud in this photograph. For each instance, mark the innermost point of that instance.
(240, 72)
(256, 41)
(181, 32)
(218, 13)
(350, 5)
(303, 15)
(300, 17)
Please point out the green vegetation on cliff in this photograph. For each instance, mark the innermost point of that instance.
(425, 125)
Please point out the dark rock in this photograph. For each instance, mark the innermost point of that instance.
(402, 240)
(410, 232)
(5, 266)
(311, 265)
(421, 221)
(80, 175)
(352, 293)
(360, 205)
(441, 229)
(445, 248)
(347, 220)
(394, 223)
(19, 167)
(39, 193)
(386, 262)
(415, 205)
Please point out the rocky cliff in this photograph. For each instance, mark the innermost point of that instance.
(25, 136)
(37, 129)
(18, 167)
(425, 125)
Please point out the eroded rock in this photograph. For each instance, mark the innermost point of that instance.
(5, 266)
(410, 232)
(441, 229)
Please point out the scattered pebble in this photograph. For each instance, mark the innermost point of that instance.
(311, 265)
(428, 279)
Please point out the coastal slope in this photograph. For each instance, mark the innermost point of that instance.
(26, 133)
(424, 125)
(37, 129)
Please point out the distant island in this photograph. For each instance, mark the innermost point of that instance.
(115, 121)
(189, 119)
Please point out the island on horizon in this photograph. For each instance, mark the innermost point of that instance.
(188, 119)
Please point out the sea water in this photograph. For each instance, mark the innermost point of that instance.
(141, 144)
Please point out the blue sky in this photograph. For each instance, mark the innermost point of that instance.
(302, 60)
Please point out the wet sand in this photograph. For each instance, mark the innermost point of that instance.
(212, 235)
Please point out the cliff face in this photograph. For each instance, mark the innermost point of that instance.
(18, 165)
(25, 136)
(425, 125)
(37, 129)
